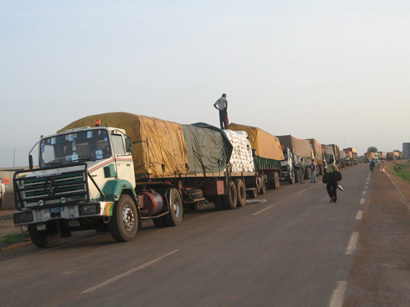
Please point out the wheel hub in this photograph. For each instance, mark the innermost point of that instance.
(128, 218)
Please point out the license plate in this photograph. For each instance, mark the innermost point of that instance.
(55, 209)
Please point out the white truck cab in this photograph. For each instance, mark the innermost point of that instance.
(85, 180)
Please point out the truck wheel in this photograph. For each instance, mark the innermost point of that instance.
(231, 199)
(308, 173)
(276, 181)
(296, 172)
(159, 222)
(176, 209)
(292, 178)
(44, 238)
(262, 188)
(217, 200)
(241, 190)
(123, 224)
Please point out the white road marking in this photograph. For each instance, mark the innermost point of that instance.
(366, 187)
(364, 192)
(363, 201)
(352, 243)
(338, 294)
(304, 190)
(267, 208)
(118, 277)
(359, 215)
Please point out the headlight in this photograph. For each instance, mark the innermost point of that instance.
(89, 209)
(23, 217)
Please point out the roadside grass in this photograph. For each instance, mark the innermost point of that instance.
(14, 237)
(402, 170)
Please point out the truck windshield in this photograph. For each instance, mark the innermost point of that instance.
(79, 146)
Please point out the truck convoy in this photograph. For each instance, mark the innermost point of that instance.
(296, 151)
(111, 177)
(110, 172)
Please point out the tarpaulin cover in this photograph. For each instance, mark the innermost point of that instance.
(297, 146)
(329, 150)
(159, 147)
(209, 150)
(265, 144)
(317, 149)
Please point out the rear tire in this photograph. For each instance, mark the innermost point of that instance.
(276, 181)
(44, 238)
(292, 178)
(241, 190)
(230, 200)
(159, 222)
(176, 209)
(124, 222)
(217, 200)
(262, 188)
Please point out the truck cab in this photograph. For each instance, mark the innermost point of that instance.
(289, 166)
(85, 180)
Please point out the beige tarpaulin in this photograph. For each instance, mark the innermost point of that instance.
(159, 147)
(297, 146)
(265, 144)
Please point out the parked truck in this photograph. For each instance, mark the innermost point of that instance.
(352, 154)
(342, 160)
(319, 155)
(330, 151)
(267, 154)
(297, 151)
(125, 169)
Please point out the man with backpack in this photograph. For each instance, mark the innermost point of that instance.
(331, 179)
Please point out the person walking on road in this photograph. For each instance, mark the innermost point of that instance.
(331, 187)
(372, 165)
(313, 167)
(222, 105)
(301, 171)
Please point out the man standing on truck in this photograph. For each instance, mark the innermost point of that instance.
(222, 105)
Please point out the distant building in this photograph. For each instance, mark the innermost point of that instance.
(406, 150)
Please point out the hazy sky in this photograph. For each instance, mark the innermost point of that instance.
(337, 71)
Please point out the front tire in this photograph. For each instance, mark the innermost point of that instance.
(44, 238)
(124, 222)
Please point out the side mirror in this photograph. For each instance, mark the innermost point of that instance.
(128, 145)
(30, 161)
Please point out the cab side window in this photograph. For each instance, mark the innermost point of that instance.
(118, 144)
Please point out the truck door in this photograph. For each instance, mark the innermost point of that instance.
(123, 158)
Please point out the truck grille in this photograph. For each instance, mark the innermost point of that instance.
(43, 187)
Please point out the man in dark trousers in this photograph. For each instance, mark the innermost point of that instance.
(222, 105)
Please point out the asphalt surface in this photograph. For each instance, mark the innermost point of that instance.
(295, 249)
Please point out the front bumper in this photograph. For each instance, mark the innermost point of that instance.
(68, 212)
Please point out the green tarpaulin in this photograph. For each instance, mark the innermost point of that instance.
(208, 148)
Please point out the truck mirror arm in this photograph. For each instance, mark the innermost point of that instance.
(95, 184)
(30, 157)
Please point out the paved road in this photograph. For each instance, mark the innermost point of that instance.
(295, 249)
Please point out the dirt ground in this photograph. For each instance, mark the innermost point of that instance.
(380, 274)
